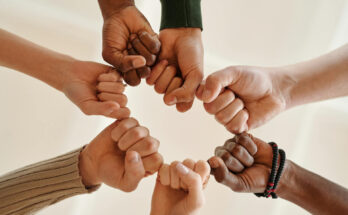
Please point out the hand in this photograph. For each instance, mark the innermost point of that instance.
(182, 50)
(179, 188)
(127, 33)
(244, 164)
(120, 156)
(81, 87)
(261, 94)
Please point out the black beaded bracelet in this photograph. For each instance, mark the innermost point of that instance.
(275, 175)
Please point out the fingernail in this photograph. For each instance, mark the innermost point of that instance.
(182, 169)
(135, 159)
(230, 145)
(173, 101)
(110, 111)
(138, 63)
(206, 94)
(219, 153)
(213, 163)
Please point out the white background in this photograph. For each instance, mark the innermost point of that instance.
(37, 122)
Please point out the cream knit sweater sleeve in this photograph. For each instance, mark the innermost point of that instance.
(31, 188)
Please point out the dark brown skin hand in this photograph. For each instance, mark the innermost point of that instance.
(129, 43)
(243, 164)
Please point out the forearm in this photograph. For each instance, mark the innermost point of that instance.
(31, 59)
(312, 192)
(322, 78)
(39, 185)
(109, 7)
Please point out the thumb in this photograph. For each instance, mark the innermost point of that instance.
(223, 175)
(186, 93)
(92, 107)
(193, 181)
(217, 81)
(134, 171)
(125, 63)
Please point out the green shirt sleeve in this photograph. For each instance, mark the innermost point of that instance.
(181, 14)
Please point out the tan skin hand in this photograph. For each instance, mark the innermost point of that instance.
(179, 193)
(83, 88)
(182, 50)
(102, 161)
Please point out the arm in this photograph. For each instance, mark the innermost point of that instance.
(124, 146)
(319, 79)
(299, 185)
(265, 92)
(78, 80)
(244, 165)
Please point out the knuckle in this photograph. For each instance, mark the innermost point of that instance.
(220, 117)
(209, 108)
(212, 80)
(237, 150)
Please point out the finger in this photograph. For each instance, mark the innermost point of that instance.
(164, 174)
(152, 43)
(239, 123)
(195, 197)
(121, 99)
(125, 63)
(132, 136)
(122, 127)
(111, 87)
(134, 171)
(189, 163)
(141, 49)
(220, 103)
(199, 91)
(222, 175)
(203, 169)
(227, 114)
(156, 72)
(122, 113)
(132, 78)
(146, 146)
(164, 80)
(231, 162)
(245, 140)
(217, 81)
(91, 107)
(111, 76)
(174, 84)
(152, 163)
(242, 155)
(174, 178)
(183, 107)
(144, 72)
(185, 93)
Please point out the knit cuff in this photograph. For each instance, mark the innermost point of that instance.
(181, 14)
(39, 185)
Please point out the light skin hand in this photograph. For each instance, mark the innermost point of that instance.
(179, 188)
(129, 43)
(103, 161)
(180, 68)
(77, 79)
(89, 89)
(261, 94)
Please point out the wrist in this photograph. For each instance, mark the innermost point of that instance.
(88, 170)
(110, 7)
(287, 182)
(284, 84)
(181, 14)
